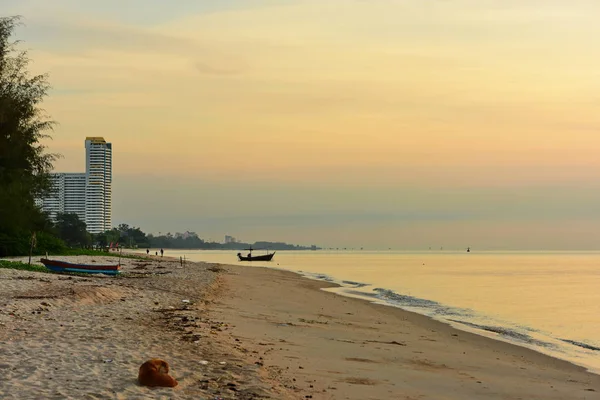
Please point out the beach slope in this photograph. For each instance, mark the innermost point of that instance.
(323, 345)
(232, 332)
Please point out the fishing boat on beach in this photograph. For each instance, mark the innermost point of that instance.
(63, 266)
(250, 257)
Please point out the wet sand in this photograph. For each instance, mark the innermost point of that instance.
(235, 332)
(327, 346)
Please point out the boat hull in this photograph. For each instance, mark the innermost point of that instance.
(63, 266)
(265, 257)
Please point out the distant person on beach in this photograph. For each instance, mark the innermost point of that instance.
(147, 251)
(161, 252)
(156, 253)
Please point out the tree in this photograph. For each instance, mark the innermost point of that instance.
(138, 238)
(123, 227)
(72, 230)
(132, 236)
(106, 238)
(24, 162)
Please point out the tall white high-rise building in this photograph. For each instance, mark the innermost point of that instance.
(98, 193)
(89, 194)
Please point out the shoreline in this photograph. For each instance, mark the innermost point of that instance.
(340, 288)
(333, 283)
(463, 328)
(460, 326)
(467, 364)
(235, 332)
(334, 286)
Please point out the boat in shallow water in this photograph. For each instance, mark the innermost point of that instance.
(63, 266)
(250, 257)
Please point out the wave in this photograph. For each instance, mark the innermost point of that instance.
(435, 308)
(321, 277)
(356, 284)
(507, 332)
(581, 344)
(327, 278)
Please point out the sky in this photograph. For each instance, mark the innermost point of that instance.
(403, 124)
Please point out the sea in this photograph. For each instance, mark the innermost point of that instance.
(546, 301)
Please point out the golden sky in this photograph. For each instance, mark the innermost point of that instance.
(374, 113)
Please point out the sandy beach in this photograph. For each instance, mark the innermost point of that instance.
(232, 332)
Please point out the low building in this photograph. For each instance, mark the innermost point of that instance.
(67, 196)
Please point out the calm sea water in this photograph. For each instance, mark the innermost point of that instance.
(548, 301)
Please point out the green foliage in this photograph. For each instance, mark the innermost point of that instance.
(72, 230)
(20, 244)
(132, 236)
(48, 243)
(14, 245)
(124, 235)
(105, 238)
(190, 240)
(22, 266)
(24, 163)
(180, 241)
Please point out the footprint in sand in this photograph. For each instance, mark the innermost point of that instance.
(362, 360)
(361, 381)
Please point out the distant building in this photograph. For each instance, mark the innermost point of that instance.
(68, 195)
(229, 239)
(87, 194)
(74, 198)
(185, 235)
(54, 203)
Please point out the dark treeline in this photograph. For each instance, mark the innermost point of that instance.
(132, 237)
(24, 162)
(191, 241)
(72, 231)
